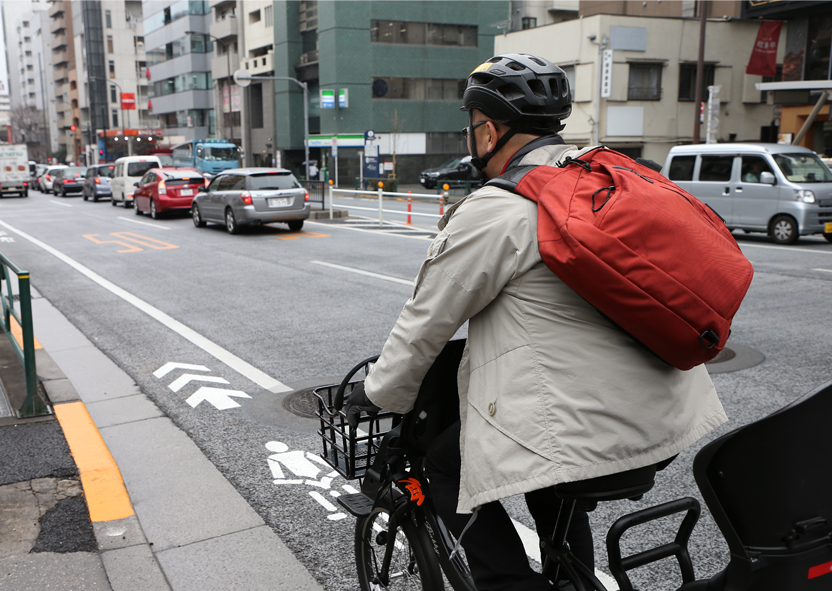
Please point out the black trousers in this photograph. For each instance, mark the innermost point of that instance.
(492, 546)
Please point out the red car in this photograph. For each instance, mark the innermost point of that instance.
(167, 189)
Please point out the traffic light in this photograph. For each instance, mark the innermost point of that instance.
(72, 127)
(100, 152)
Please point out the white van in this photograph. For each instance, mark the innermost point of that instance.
(782, 190)
(129, 170)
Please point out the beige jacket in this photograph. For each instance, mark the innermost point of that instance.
(550, 392)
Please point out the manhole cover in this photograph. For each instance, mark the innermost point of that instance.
(725, 355)
(302, 403)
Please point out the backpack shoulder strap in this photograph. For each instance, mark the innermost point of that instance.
(511, 178)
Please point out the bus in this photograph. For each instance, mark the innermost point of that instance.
(208, 156)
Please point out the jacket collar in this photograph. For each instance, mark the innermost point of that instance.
(546, 140)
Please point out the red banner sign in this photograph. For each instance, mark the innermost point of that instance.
(763, 60)
(128, 100)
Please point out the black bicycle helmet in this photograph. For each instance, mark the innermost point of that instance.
(522, 91)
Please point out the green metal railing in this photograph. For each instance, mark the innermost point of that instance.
(33, 405)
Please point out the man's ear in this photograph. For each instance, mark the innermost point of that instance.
(493, 135)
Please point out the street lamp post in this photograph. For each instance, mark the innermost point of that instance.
(121, 107)
(240, 76)
(228, 76)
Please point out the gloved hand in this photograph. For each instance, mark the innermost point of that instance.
(356, 403)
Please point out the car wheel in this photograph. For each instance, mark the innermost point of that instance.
(231, 222)
(113, 201)
(198, 221)
(85, 195)
(828, 236)
(154, 213)
(784, 230)
(95, 197)
(295, 225)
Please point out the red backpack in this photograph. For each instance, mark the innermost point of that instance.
(649, 256)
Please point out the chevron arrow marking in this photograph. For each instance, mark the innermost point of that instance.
(219, 397)
(182, 380)
(170, 366)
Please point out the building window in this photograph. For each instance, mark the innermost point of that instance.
(818, 48)
(268, 16)
(528, 22)
(254, 17)
(115, 118)
(108, 19)
(645, 82)
(687, 81)
(401, 32)
(109, 44)
(112, 66)
(113, 98)
(256, 100)
(778, 77)
(25, 24)
(419, 89)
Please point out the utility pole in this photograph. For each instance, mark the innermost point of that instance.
(700, 69)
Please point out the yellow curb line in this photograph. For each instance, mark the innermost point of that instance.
(17, 333)
(107, 498)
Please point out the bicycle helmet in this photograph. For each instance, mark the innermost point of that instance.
(525, 92)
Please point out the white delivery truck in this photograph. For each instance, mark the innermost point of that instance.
(14, 169)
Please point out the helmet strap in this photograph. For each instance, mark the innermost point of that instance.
(481, 163)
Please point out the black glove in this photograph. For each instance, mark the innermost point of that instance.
(356, 403)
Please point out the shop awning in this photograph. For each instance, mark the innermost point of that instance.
(798, 92)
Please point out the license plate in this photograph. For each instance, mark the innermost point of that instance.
(828, 228)
(280, 202)
(186, 192)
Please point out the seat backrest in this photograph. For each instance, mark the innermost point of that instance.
(437, 406)
(769, 484)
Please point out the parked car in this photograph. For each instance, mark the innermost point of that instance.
(458, 169)
(68, 180)
(39, 170)
(45, 180)
(782, 190)
(97, 181)
(242, 196)
(167, 189)
(129, 170)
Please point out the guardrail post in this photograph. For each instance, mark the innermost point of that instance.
(443, 199)
(33, 405)
(380, 204)
(330, 199)
(409, 200)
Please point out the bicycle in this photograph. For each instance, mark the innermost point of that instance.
(743, 475)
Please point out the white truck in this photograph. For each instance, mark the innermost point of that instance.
(14, 169)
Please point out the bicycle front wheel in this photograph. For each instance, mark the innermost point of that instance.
(414, 564)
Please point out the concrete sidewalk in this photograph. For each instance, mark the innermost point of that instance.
(162, 517)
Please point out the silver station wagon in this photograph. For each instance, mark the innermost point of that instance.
(782, 190)
(252, 196)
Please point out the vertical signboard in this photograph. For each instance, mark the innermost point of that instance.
(327, 98)
(606, 74)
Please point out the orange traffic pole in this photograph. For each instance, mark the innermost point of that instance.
(408, 207)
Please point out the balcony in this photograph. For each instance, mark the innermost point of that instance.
(224, 28)
(221, 63)
(59, 57)
(259, 65)
(59, 40)
(61, 74)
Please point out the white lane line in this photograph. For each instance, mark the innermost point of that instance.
(367, 273)
(788, 248)
(823, 270)
(226, 357)
(59, 203)
(531, 543)
(144, 223)
(376, 232)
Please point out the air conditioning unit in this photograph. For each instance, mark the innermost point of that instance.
(140, 45)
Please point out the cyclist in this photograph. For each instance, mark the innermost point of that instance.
(550, 391)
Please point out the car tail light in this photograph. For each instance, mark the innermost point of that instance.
(25, 184)
(67, 181)
(306, 195)
(163, 190)
(246, 197)
(97, 181)
(48, 177)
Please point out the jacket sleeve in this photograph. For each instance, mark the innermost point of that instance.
(488, 241)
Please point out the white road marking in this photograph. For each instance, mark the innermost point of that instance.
(244, 368)
(531, 542)
(367, 273)
(823, 270)
(157, 226)
(170, 366)
(377, 232)
(788, 248)
(220, 398)
(184, 379)
(59, 203)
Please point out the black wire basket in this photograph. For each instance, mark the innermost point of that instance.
(350, 451)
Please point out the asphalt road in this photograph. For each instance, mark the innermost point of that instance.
(270, 311)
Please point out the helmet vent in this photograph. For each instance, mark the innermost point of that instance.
(515, 66)
(537, 61)
(510, 92)
(538, 89)
(557, 88)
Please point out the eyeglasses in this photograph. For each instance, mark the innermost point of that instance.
(465, 130)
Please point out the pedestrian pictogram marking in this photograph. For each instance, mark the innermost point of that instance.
(131, 242)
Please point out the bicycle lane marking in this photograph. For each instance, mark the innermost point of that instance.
(240, 366)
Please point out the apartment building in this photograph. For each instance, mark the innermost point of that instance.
(64, 77)
(179, 51)
(224, 31)
(645, 104)
(396, 68)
